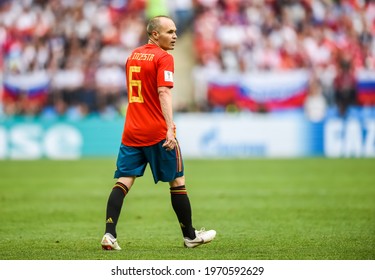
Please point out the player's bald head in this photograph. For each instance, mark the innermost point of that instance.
(155, 23)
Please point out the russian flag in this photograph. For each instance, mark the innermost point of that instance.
(366, 88)
(223, 90)
(33, 85)
(272, 91)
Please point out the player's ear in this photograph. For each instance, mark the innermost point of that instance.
(155, 34)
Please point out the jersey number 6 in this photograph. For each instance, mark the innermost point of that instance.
(135, 83)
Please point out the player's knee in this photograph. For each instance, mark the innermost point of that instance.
(128, 181)
(179, 181)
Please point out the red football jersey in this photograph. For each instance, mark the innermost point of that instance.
(147, 68)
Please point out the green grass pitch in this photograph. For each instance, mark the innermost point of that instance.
(262, 209)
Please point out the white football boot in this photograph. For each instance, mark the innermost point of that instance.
(109, 242)
(202, 237)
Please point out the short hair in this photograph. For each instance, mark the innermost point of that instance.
(154, 23)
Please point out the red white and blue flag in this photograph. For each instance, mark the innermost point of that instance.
(31, 85)
(267, 91)
(366, 88)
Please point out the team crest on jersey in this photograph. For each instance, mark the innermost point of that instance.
(168, 76)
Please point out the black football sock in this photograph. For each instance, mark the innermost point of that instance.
(114, 205)
(181, 206)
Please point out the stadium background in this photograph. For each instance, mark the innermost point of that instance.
(253, 78)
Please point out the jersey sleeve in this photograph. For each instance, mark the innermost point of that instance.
(165, 71)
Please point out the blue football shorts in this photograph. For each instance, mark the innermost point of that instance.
(165, 165)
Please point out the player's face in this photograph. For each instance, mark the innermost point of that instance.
(167, 34)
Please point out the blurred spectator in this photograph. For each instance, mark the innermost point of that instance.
(109, 79)
(315, 103)
(183, 13)
(68, 83)
(345, 85)
(131, 31)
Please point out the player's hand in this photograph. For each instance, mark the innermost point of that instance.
(170, 140)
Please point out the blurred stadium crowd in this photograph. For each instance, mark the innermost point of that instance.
(65, 57)
(332, 40)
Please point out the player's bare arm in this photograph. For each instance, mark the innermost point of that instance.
(165, 97)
